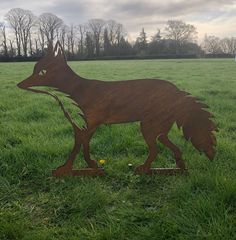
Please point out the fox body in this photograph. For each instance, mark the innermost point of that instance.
(156, 104)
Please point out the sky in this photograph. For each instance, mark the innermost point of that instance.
(212, 17)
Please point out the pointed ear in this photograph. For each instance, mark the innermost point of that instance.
(59, 52)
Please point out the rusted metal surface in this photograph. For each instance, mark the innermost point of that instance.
(156, 104)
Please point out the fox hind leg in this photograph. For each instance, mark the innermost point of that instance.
(150, 138)
(177, 153)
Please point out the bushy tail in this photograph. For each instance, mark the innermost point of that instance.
(197, 124)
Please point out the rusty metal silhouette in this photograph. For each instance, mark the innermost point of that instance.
(156, 104)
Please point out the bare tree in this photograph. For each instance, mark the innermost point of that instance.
(4, 38)
(21, 22)
(12, 50)
(180, 32)
(89, 43)
(106, 43)
(81, 35)
(115, 31)
(96, 27)
(41, 39)
(71, 35)
(36, 45)
(112, 27)
(27, 24)
(32, 43)
(228, 45)
(49, 25)
(13, 19)
(211, 44)
(120, 33)
(62, 35)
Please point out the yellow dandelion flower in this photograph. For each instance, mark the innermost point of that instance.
(102, 162)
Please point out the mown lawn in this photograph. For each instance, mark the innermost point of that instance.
(35, 138)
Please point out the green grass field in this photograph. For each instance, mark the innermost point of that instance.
(35, 138)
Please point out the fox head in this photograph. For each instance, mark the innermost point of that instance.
(49, 70)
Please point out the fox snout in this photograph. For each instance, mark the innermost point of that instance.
(28, 82)
(21, 85)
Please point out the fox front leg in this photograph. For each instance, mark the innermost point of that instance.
(81, 137)
(68, 166)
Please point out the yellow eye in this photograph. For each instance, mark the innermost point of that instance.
(42, 72)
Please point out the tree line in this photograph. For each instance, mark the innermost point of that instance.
(29, 35)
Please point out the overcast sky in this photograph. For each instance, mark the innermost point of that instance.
(214, 17)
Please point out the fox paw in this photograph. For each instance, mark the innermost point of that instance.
(142, 169)
(180, 164)
(62, 170)
(92, 164)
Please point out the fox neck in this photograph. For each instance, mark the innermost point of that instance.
(72, 85)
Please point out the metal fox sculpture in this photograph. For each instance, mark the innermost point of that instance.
(156, 104)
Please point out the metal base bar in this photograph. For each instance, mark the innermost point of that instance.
(162, 171)
(85, 172)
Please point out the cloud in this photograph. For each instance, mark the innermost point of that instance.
(169, 8)
(208, 15)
